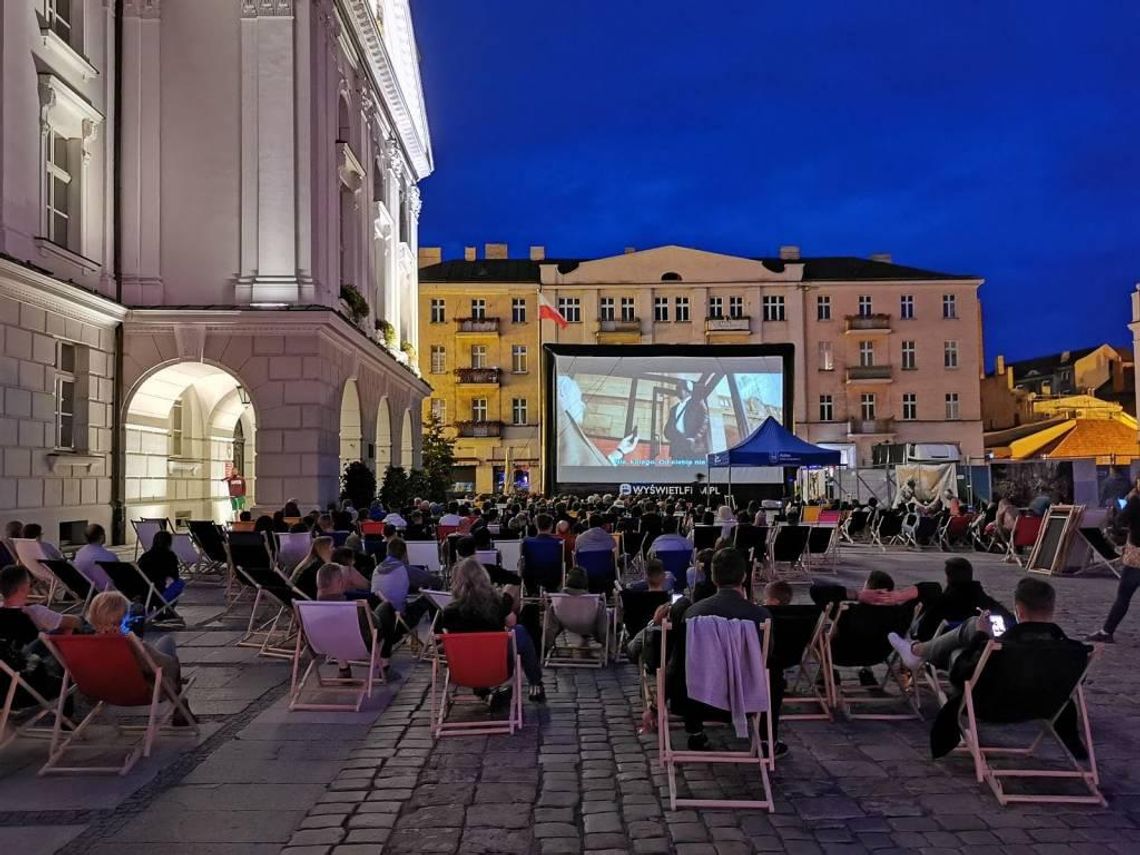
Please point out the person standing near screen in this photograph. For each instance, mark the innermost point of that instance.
(574, 447)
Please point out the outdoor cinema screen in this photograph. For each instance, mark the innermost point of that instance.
(653, 413)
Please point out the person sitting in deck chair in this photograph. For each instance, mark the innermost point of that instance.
(160, 566)
(576, 585)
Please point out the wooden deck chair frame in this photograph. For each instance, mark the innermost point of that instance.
(408, 639)
(797, 569)
(286, 543)
(845, 528)
(440, 599)
(237, 586)
(981, 754)
(805, 691)
(156, 723)
(194, 563)
(671, 758)
(824, 559)
(361, 688)
(443, 698)
(37, 712)
(849, 700)
(269, 637)
(29, 553)
(153, 595)
(511, 552)
(215, 565)
(892, 538)
(557, 657)
(66, 577)
(1012, 556)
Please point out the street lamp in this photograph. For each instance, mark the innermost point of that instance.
(243, 396)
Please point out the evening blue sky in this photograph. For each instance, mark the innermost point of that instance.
(995, 137)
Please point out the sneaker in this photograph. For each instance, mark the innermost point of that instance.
(1101, 636)
(905, 652)
(500, 699)
(537, 693)
(781, 749)
(698, 742)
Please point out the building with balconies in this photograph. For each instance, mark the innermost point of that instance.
(240, 292)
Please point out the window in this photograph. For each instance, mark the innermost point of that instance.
(65, 375)
(826, 409)
(906, 307)
(736, 307)
(59, 17)
(518, 359)
(908, 356)
(949, 306)
(866, 354)
(518, 310)
(478, 409)
(627, 310)
(864, 306)
(826, 358)
(773, 308)
(438, 315)
(606, 309)
(478, 356)
(681, 310)
(478, 310)
(909, 407)
(518, 411)
(660, 309)
(716, 309)
(438, 359)
(950, 354)
(867, 406)
(571, 309)
(952, 406)
(439, 410)
(58, 189)
(823, 308)
(176, 429)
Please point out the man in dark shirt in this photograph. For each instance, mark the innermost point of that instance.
(539, 560)
(729, 570)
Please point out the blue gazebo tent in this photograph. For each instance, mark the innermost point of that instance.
(772, 444)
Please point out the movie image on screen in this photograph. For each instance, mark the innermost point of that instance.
(656, 418)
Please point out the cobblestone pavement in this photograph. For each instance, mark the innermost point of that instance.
(578, 778)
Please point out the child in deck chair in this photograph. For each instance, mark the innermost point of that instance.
(106, 614)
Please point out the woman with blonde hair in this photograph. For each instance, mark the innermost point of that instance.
(107, 615)
(478, 607)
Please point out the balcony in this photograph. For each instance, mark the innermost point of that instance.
(477, 376)
(870, 427)
(868, 324)
(479, 429)
(617, 331)
(476, 326)
(869, 374)
(742, 324)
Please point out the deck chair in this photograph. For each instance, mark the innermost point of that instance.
(441, 600)
(30, 553)
(479, 661)
(888, 531)
(829, 517)
(576, 613)
(956, 531)
(1007, 689)
(601, 570)
(787, 547)
(343, 631)
(797, 643)
(254, 568)
(810, 514)
(511, 551)
(130, 581)
(1101, 551)
(544, 565)
(292, 547)
(243, 526)
(113, 670)
(23, 706)
(822, 546)
(855, 526)
(754, 756)
(705, 536)
(926, 531)
(210, 539)
(635, 611)
(192, 562)
(1024, 536)
(70, 581)
(145, 530)
(752, 539)
(677, 562)
(371, 527)
(856, 637)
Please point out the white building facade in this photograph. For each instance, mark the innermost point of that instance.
(208, 239)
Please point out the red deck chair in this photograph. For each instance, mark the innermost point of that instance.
(475, 660)
(375, 527)
(109, 669)
(1023, 537)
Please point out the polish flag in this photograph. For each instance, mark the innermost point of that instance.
(547, 311)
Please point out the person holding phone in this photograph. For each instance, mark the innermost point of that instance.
(1129, 518)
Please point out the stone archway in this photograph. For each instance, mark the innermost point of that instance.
(351, 429)
(407, 450)
(383, 437)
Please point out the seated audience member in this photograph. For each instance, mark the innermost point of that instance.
(105, 614)
(878, 590)
(392, 582)
(245, 516)
(34, 531)
(726, 519)
(701, 569)
(478, 607)
(656, 579)
(577, 585)
(480, 541)
(320, 553)
(535, 555)
(417, 529)
(669, 540)
(332, 584)
(358, 569)
(160, 566)
(87, 559)
(20, 647)
(16, 587)
(279, 524)
(729, 571)
(778, 593)
(595, 538)
(962, 598)
(565, 531)
(292, 510)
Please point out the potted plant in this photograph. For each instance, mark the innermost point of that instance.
(355, 302)
(387, 333)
